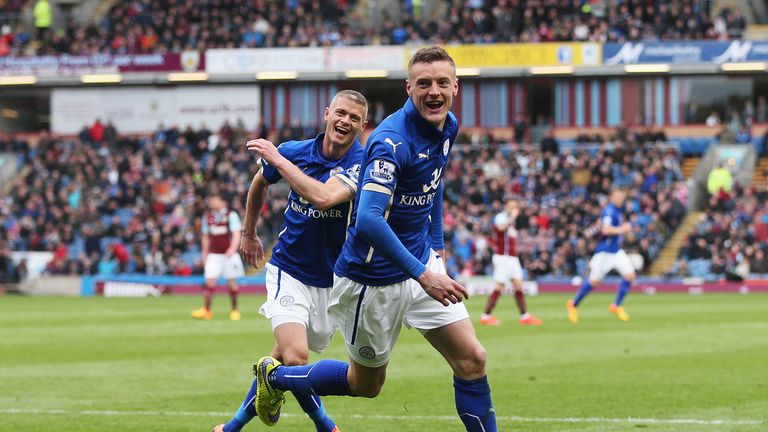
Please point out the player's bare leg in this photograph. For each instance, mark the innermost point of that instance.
(526, 318)
(487, 318)
(458, 344)
(234, 313)
(205, 312)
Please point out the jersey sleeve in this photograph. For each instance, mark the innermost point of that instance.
(234, 222)
(270, 173)
(350, 176)
(387, 155)
(436, 221)
(204, 228)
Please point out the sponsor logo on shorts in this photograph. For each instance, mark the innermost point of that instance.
(367, 352)
(286, 301)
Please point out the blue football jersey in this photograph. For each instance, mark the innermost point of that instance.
(311, 239)
(611, 216)
(405, 155)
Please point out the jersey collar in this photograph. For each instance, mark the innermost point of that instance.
(425, 127)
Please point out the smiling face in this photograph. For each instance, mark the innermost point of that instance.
(432, 87)
(345, 118)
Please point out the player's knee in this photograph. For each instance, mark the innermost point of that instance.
(630, 278)
(472, 364)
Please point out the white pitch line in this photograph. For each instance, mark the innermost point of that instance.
(518, 419)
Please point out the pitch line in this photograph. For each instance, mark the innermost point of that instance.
(517, 419)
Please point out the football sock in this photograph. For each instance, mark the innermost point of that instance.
(314, 408)
(245, 413)
(492, 299)
(324, 378)
(622, 291)
(585, 288)
(233, 297)
(520, 299)
(207, 297)
(474, 405)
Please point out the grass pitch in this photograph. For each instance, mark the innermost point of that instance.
(684, 363)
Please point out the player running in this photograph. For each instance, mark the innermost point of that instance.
(506, 266)
(608, 256)
(323, 174)
(390, 271)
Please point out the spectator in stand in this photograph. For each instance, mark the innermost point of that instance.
(713, 120)
(720, 180)
(761, 112)
(43, 19)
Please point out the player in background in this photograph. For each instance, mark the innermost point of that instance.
(608, 256)
(390, 271)
(322, 173)
(220, 243)
(506, 266)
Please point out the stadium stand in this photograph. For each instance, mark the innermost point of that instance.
(153, 26)
(105, 203)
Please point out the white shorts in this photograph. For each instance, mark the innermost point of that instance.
(603, 262)
(292, 301)
(370, 317)
(506, 268)
(222, 266)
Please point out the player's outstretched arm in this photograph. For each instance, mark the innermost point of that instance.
(608, 229)
(250, 244)
(322, 195)
(374, 200)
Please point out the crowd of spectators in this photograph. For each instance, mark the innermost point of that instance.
(730, 241)
(155, 26)
(562, 193)
(103, 203)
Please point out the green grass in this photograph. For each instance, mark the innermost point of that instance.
(97, 364)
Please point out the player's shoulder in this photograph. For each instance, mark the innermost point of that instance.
(387, 142)
(293, 148)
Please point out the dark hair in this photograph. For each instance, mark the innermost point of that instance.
(430, 54)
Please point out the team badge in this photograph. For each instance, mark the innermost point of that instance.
(336, 170)
(446, 147)
(367, 352)
(190, 61)
(383, 171)
(286, 301)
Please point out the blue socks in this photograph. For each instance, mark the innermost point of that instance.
(314, 409)
(310, 404)
(245, 413)
(622, 291)
(585, 288)
(474, 405)
(324, 378)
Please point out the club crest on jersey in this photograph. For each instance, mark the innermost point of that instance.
(383, 171)
(336, 170)
(286, 301)
(367, 352)
(446, 147)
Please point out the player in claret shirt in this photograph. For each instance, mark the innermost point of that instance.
(506, 266)
(221, 240)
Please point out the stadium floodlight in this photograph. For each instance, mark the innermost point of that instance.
(647, 68)
(101, 78)
(277, 75)
(551, 70)
(187, 76)
(18, 80)
(366, 73)
(744, 67)
(467, 72)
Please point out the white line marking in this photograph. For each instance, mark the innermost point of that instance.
(518, 419)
